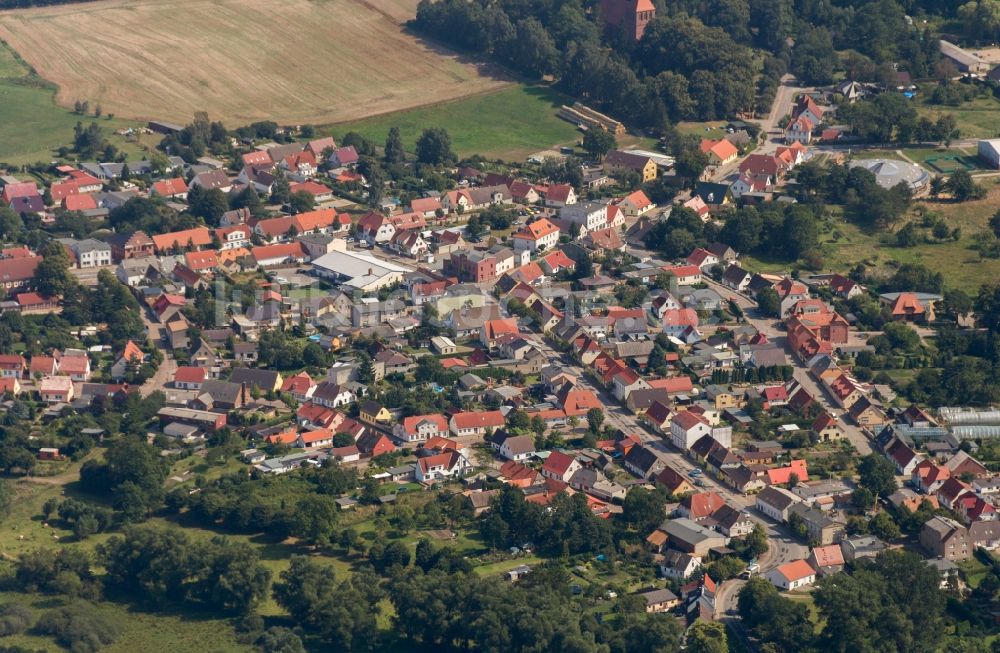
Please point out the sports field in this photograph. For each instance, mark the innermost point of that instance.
(295, 61)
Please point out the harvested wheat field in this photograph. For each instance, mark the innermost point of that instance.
(292, 61)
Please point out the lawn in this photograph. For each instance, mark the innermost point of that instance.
(31, 125)
(876, 154)
(976, 119)
(711, 130)
(846, 245)
(510, 123)
(973, 571)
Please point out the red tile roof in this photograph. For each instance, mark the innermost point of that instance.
(828, 556)
(199, 237)
(485, 419)
(204, 260)
(18, 270)
(188, 374)
(702, 504)
(558, 463)
(170, 187)
(796, 570)
(782, 475)
(132, 352)
(258, 157)
(279, 251)
(688, 420)
(410, 423)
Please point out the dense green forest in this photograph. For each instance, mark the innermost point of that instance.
(696, 60)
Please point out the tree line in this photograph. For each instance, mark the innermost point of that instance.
(695, 60)
(682, 69)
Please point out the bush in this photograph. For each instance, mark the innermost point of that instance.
(14, 619)
(280, 640)
(79, 628)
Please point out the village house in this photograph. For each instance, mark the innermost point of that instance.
(560, 466)
(441, 466)
(536, 236)
(659, 600)
(56, 389)
(475, 423)
(792, 575)
(775, 502)
(421, 428)
(617, 161)
(518, 448)
(946, 538)
(720, 152)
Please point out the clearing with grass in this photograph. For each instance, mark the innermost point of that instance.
(510, 123)
(296, 61)
(31, 125)
(845, 244)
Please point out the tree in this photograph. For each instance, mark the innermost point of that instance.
(78, 627)
(303, 585)
(774, 619)
(938, 185)
(434, 147)
(995, 224)
(877, 475)
(725, 568)
(208, 204)
(343, 440)
(595, 418)
(598, 142)
(862, 499)
(536, 52)
(246, 198)
(302, 201)
(941, 230)
(894, 604)
(279, 640)
(157, 565)
(281, 190)
(756, 542)
(884, 527)
(52, 276)
(707, 637)
(394, 152)
(988, 307)
(963, 187)
(6, 498)
(768, 302)
(315, 520)
(644, 509)
(956, 303)
(133, 472)
(691, 163)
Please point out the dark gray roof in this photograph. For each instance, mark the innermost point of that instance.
(658, 596)
(223, 391)
(264, 379)
(775, 497)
